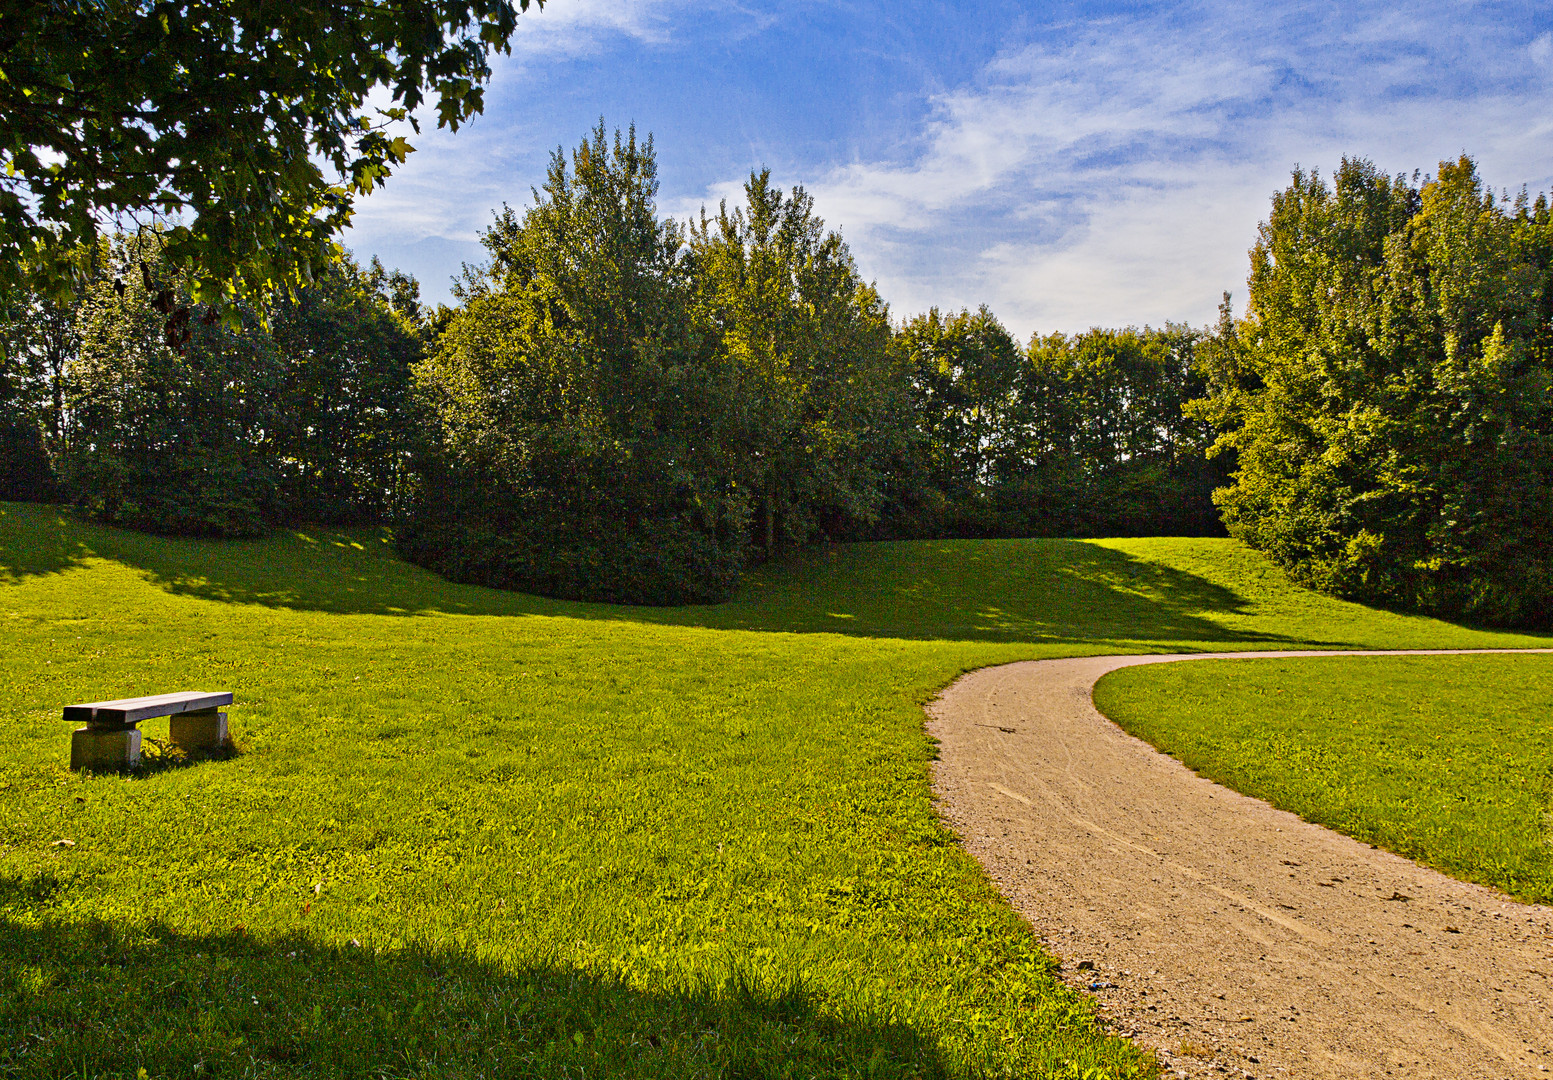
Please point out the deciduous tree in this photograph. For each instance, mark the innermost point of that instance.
(582, 419)
(819, 411)
(239, 125)
(1390, 406)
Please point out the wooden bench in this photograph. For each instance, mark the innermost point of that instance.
(111, 741)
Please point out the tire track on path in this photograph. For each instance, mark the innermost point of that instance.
(1234, 938)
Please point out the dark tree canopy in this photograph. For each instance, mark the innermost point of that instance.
(631, 412)
(1076, 435)
(963, 369)
(217, 119)
(817, 402)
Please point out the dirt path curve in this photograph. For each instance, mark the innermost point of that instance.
(1235, 938)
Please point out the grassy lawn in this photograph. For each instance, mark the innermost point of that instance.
(1445, 759)
(475, 833)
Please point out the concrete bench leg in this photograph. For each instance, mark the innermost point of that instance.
(105, 749)
(202, 731)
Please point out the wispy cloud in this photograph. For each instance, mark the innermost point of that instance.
(1096, 170)
(573, 26)
(1118, 175)
(1541, 49)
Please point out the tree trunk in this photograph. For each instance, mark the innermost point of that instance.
(771, 488)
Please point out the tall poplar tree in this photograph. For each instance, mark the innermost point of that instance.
(819, 412)
(582, 418)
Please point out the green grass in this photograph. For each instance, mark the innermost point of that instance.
(1445, 759)
(475, 833)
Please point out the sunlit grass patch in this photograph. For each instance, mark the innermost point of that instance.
(708, 829)
(1445, 759)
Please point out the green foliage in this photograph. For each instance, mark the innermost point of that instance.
(579, 408)
(167, 440)
(25, 471)
(344, 418)
(1386, 398)
(617, 405)
(469, 526)
(38, 339)
(816, 412)
(964, 372)
(217, 118)
(310, 419)
(1444, 759)
(1080, 435)
(1106, 446)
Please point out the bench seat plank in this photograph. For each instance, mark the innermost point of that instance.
(134, 710)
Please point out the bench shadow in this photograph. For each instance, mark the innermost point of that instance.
(95, 998)
(159, 755)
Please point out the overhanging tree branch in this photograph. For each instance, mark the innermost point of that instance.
(210, 116)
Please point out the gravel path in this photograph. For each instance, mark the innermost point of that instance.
(1234, 938)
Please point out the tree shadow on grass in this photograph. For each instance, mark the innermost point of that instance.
(1046, 590)
(96, 998)
(1043, 590)
(37, 539)
(1001, 590)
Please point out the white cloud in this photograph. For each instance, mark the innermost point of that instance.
(1541, 49)
(1097, 172)
(574, 27)
(577, 25)
(1155, 257)
(1119, 177)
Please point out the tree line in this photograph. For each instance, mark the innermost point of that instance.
(628, 409)
(624, 407)
(303, 411)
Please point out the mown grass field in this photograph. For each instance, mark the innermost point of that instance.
(482, 834)
(1445, 759)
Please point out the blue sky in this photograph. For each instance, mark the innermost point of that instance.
(1068, 164)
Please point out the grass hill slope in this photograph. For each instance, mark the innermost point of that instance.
(474, 833)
